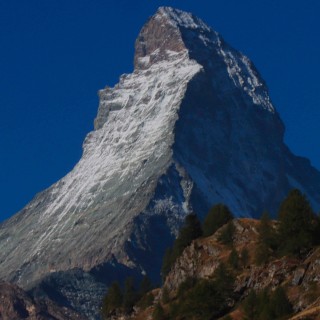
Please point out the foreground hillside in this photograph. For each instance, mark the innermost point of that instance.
(210, 260)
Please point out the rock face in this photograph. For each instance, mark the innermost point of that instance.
(299, 276)
(15, 304)
(193, 125)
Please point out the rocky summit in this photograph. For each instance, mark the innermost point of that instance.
(191, 126)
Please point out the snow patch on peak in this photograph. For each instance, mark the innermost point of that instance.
(183, 19)
(244, 75)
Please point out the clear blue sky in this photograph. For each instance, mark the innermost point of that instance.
(56, 54)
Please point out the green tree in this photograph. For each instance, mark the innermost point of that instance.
(158, 313)
(185, 286)
(224, 281)
(233, 259)
(263, 305)
(201, 302)
(146, 301)
(204, 299)
(130, 295)
(262, 254)
(190, 231)
(250, 306)
(165, 295)
(218, 216)
(113, 300)
(145, 285)
(167, 263)
(227, 234)
(266, 240)
(316, 232)
(281, 306)
(266, 231)
(296, 224)
(244, 257)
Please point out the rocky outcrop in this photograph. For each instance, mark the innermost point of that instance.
(16, 304)
(203, 256)
(192, 126)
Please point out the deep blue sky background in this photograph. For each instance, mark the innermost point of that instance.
(56, 54)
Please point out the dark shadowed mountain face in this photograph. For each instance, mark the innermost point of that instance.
(193, 125)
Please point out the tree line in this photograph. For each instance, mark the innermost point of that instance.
(296, 231)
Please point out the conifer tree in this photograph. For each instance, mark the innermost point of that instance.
(158, 313)
(145, 285)
(250, 306)
(167, 262)
(296, 228)
(233, 259)
(190, 231)
(227, 234)
(266, 240)
(244, 257)
(224, 281)
(218, 216)
(280, 304)
(266, 232)
(262, 254)
(165, 295)
(316, 232)
(129, 296)
(113, 300)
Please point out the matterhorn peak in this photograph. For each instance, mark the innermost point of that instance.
(193, 125)
(163, 35)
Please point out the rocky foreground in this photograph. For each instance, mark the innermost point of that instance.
(299, 276)
(16, 304)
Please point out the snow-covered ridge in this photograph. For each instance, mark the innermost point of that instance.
(129, 151)
(244, 76)
(240, 68)
(146, 102)
(183, 19)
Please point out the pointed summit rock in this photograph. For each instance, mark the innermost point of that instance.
(193, 125)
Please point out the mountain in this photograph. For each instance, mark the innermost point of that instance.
(191, 126)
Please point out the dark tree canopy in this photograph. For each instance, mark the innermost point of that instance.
(113, 300)
(266, 305)
(189, 232)
(296, 224)
(227, 234)
(280, 303)
(266, 240)
(130, 295)
(266, 232)
(216, 218)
